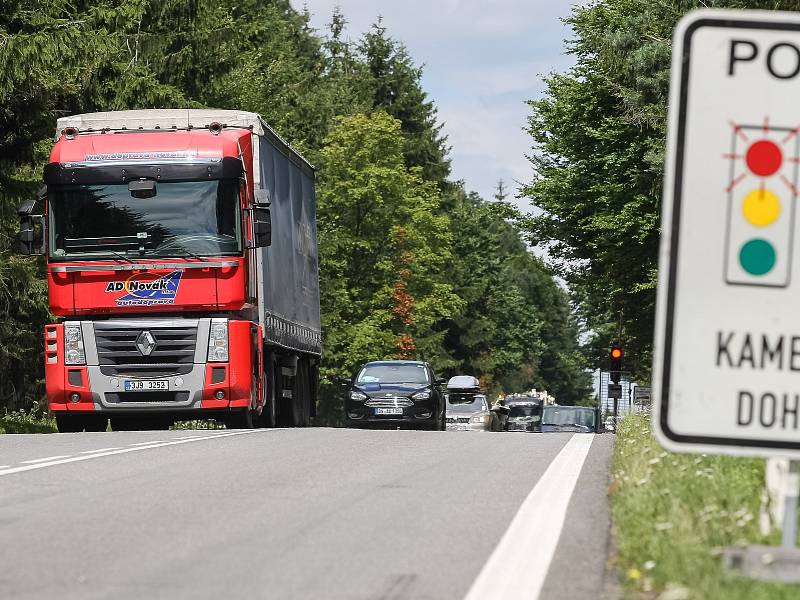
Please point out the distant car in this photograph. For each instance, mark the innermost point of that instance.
(525, 414)
(467, 406)
(395, 393)
(580, 419)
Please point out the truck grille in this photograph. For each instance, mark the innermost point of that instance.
(172, 352)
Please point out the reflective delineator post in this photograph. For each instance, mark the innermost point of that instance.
(790, 492)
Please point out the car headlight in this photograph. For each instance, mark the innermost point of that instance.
(354, 395)
(74, 352)
(423, 395)
(218, 341)
(482, 419)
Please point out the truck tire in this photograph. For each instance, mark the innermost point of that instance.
(96, 423)
(239, 419)
(66, 423)
(301, 414)
(268, 416)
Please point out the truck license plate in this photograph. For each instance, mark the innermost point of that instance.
(388, 411)
(146, 385)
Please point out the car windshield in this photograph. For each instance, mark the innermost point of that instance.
(469, 404)
(522, 410)
(386, 373)
(560, 415)
(182, 218)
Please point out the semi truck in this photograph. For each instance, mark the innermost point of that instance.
(181, 253)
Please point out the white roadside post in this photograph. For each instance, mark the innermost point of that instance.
(726, 372)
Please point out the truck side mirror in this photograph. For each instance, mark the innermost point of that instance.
(262, 227)
(31, 229)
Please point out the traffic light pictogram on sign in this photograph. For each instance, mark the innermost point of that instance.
(761, 204)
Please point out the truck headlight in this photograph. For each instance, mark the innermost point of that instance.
(218, 341)
(481, 419)
(423, 395)
(74, 352)
(357, 396)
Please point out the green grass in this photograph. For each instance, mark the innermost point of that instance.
(33, 421)
(674, 513)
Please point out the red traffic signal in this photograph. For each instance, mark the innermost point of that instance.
(616, 355)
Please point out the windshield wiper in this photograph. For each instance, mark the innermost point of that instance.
(121, 257)
(184, 253)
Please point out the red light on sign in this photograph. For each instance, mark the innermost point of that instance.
(764, 158)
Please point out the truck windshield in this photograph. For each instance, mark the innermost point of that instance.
(182, 219)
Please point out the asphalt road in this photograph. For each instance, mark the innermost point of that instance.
(308, 513)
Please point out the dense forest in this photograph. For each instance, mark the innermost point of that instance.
(435, 272)
(599, 139)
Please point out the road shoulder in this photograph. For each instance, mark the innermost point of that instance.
(581, 566)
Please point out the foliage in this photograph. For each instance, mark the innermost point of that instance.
(671, 528)
(516, 330)
(396, 281)
(599, 137)
(34, 420)
(383, 243)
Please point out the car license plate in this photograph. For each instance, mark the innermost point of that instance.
(146, 385)
(388, 411)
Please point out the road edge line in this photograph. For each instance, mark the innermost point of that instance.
(122, 451)
(519, 564)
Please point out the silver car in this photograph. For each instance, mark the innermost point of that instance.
(469, 412)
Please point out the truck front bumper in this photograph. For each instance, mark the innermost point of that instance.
(113, 385)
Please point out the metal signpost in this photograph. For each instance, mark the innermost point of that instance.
(727, 354)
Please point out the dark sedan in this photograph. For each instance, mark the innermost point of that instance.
(525, 415)
(395, 393)
(578, 419)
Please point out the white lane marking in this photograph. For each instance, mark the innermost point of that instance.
(4, 466)
(519, 564)
(99, 450)
(45, 459)
(66, 459)
(185, 437)
(147, 443)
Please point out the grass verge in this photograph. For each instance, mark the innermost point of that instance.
(674, 513)
(26, 422)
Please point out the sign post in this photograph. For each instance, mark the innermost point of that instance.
(726, 372)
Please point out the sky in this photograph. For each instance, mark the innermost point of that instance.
(483, 59)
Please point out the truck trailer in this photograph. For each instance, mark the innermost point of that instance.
(181, 251)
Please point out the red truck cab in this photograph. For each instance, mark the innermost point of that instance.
(154, 238)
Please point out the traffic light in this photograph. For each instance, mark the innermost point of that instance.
(761, 197)
(616, 355)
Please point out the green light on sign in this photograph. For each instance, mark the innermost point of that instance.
(757, 257)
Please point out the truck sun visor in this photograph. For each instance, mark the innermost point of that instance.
(119, 171)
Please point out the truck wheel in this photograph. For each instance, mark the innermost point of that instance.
(240, 419)
(96, 423)
(270, 410)
(301, 405)
(66, 423)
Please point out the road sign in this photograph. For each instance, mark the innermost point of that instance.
(614, 390)
(727, 354)
(641, 394)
